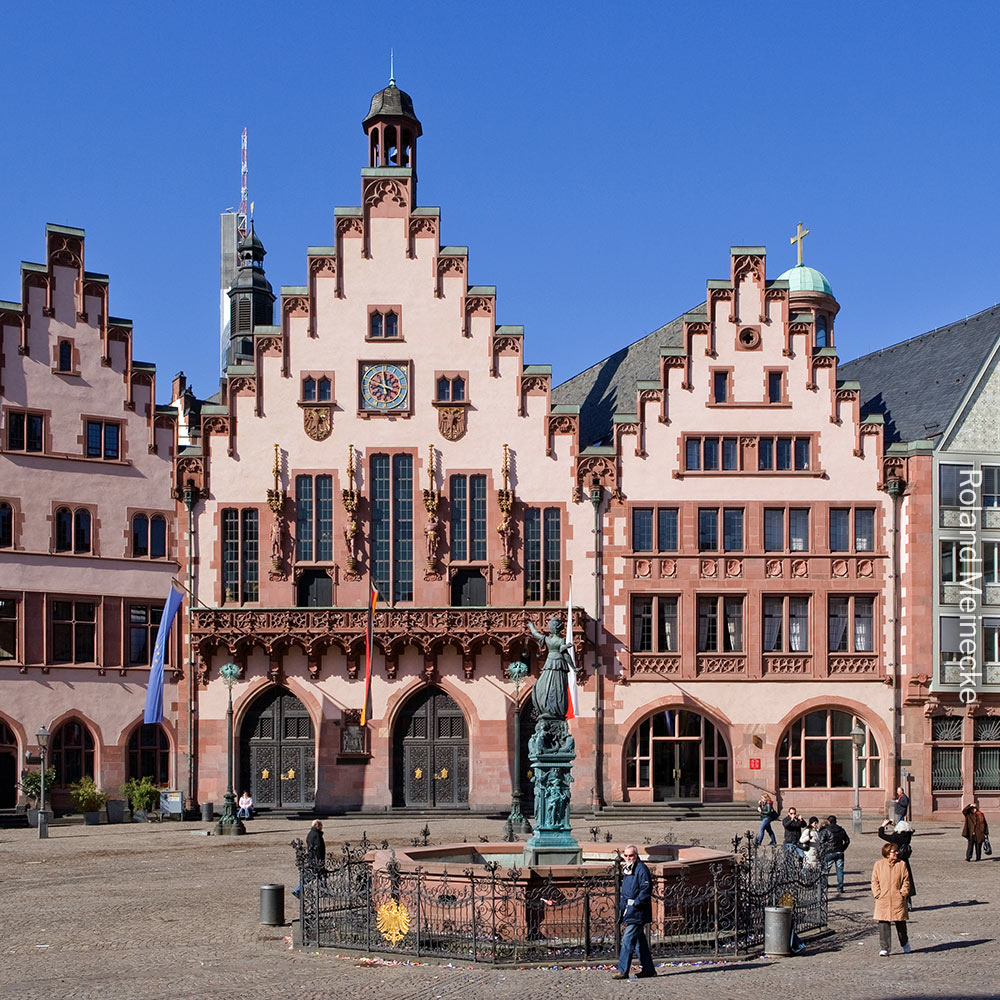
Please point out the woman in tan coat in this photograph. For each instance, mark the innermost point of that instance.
(890, 887)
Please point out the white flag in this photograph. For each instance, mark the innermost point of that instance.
(574, 694)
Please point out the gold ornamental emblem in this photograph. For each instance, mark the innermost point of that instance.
(393, 921)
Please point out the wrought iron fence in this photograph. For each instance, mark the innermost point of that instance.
(494, 914)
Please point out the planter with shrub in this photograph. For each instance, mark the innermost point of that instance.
(88, 799)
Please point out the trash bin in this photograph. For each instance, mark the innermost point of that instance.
(208, 811)
(777, 930)
(272, 904)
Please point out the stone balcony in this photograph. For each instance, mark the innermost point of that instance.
(429, 630)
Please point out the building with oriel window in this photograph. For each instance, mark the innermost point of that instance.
(88, 530)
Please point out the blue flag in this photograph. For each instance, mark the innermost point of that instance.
(154, 693)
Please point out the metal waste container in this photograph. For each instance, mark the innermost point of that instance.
(777, 930)
(208, 811)
(272, 904)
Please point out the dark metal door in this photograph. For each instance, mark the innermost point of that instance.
(431, 753)
(468, 589)
(278, 753)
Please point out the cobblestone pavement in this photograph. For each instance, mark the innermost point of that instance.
(161, 910)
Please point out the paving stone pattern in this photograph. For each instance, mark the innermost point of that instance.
(157, 911)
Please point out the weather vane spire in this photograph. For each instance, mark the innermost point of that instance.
(392, 71)
(799, 236)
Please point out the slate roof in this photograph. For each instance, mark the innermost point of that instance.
(917, 385)
(610, 384)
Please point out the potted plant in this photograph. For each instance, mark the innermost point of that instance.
(142, 795)
(31, 785)
(88, 799)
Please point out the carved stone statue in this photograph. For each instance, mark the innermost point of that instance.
(550, 695)
(431, 537)
(276, 540)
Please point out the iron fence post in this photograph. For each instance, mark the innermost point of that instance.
(618, 904)
(586, 921)
(715, 907)
(419, 879)
(368, 906)
(472, 894)
(493, 912)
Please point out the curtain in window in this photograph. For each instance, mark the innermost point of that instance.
(734, 625)
(704, 617)
(863, 625)
(798, 624)
(837, 624)
(772, 623)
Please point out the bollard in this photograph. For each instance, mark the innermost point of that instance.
(272, 904)
(207, 811)
(777, 931)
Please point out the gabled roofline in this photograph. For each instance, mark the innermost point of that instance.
(967, 398)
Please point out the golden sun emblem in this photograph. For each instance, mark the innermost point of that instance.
(393, 921)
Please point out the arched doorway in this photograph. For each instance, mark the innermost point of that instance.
(278, 752)
(8, 767)
(431, 752)
(676, 755)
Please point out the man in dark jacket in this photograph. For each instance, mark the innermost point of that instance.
(316, 849)
(833, 841)
(793, 824)
(636, 910)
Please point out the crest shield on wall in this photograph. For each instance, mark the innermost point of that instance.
(452, 422)
(318, 422)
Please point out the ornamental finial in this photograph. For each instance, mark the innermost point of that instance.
(800, 235)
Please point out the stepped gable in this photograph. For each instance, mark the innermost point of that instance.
(610, 385)
(917, 385)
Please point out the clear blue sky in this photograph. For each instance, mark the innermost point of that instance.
(598, 159)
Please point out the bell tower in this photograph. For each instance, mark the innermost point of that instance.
(392, 128)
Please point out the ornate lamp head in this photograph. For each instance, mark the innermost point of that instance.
(517, 670)
(230, 672)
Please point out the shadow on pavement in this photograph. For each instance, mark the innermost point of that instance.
(948, 906)
(953, 945)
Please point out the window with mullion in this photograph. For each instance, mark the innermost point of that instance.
(73, 631)
(304, 514)
(8, 628)
(532, 554)
(654, 623)
(458, 508)
(381, 523)
(642, 529)
(774, 529)
(840, 530)
(249, 555)
(324, 518)
(991, 486)
(553, 554)
(798, 529)
(143, 623)
(230, 556)
(951, 479)
(864, 529)
(477, 517)
(402, 528)
(720, 624)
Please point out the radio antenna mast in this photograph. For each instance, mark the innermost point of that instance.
(241, 216)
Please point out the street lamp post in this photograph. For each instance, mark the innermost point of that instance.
(516, 672)
(230, 823)
(858, 736)
(43, 745)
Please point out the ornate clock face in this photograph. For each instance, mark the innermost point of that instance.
(385, 386)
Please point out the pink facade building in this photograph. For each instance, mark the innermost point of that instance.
(761, 549)
(88, 530)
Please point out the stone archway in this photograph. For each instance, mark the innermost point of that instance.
(8, 767)
(278, 752)
(430, 752)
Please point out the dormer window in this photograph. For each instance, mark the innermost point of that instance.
(383, 323)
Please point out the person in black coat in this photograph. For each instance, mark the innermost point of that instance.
(834, 841)
(900, 834)
(316, 851)
(636, 910)
(794, 825)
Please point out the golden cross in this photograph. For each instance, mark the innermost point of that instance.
(799, 236)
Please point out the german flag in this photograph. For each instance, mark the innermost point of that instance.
(366, 708)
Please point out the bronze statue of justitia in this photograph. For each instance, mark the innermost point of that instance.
(550, 695)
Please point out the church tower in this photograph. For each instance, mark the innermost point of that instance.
(393, 128)
(251, 300)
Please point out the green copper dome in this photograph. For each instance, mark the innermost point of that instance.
(806, 279)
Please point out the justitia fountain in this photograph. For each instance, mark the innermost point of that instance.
(552, 751)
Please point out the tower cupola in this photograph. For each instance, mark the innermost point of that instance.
(809, 290)
(392, 128)
(251, 299)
